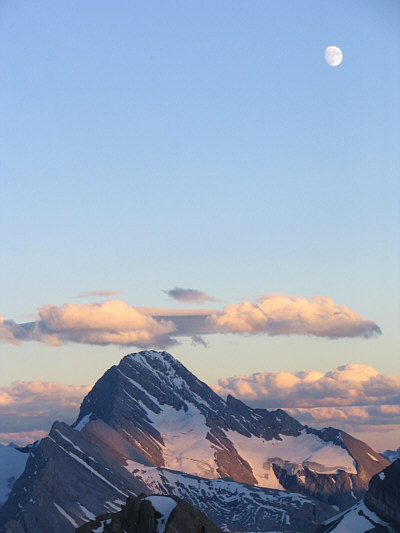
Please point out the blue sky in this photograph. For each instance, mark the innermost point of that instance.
(148, 145)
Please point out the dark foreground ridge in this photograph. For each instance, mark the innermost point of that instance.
(151, 515)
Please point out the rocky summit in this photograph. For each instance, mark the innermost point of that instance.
(150, 426)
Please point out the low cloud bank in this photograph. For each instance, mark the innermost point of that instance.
(354, 397)
(352, 384)
(30, 407)
(115, 322)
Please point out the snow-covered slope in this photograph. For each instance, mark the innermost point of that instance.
(12, 464)
(235, 506)
(357, 519)
(378, 512)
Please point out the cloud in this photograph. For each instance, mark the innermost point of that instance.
(354, 397)
(22, 438)
(190, 296)
(349, 385)
(115, 322)
(198, 340)
(31, 406)
(279, 314)
(98, 293)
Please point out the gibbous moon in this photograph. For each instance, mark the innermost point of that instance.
(333, 56)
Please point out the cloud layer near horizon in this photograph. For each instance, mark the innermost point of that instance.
(353, 397)
(28, 408)
(115, 322)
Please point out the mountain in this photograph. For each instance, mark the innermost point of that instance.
(12, 464)
(175, 421)
(391, 455)
(149, 425)
(152, 514)
(378, 512)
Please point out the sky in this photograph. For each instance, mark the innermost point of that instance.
(194, 176)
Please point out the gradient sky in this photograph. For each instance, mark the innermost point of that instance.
(208, 146)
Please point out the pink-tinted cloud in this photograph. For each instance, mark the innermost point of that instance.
(279, 314)
(354, 397)
(98, 293)
(115, 322)
(22, 438)
(31, 406)
(190, 296)
(112, 322)
(349, 385)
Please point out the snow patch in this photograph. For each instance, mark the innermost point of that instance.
(357, 519)
(305, 450)
(85, 420)
(382, 476)
(185, 445)
(372, 457)
(164, 506)
(87, 513)
(68, 440)
(100, 529)
(66, 515)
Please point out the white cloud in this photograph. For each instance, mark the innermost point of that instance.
(349, 385)
(112, 322)
(115, 322)
(354, 397)
(279, 314)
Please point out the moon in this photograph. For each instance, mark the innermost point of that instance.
(333, 56)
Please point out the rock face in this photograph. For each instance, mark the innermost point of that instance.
(383, 495)
(150, 426)
(154, 514)
(379, 512)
